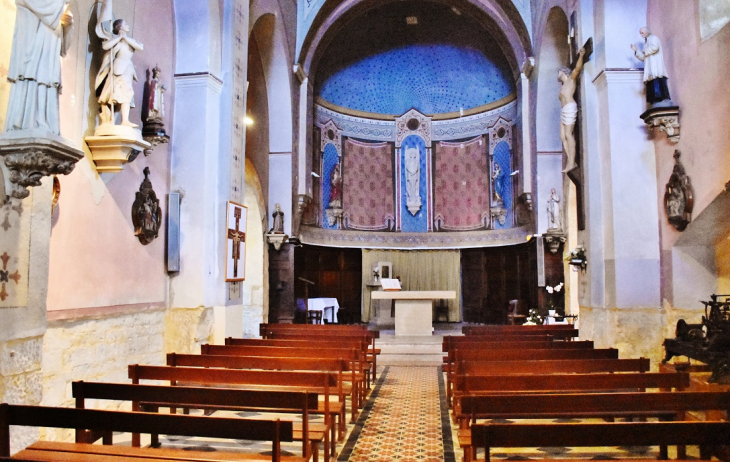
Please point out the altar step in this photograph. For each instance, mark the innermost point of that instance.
(413, 351)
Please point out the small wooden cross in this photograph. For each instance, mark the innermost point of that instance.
(238, 237)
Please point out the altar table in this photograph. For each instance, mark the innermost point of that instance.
(324, 305)
(413, 309)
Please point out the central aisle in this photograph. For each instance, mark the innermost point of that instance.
(403, 419)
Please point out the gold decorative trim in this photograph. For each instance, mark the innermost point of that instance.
(445, 116)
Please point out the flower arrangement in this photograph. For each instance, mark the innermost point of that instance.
(554, 289)
(533, 318)
(376, 273)
(577, 258)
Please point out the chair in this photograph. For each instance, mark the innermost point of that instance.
(442, 311)
(314, 317)
(517, 312)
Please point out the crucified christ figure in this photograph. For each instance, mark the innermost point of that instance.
(569, 109)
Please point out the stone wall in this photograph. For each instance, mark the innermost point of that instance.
(20, 381)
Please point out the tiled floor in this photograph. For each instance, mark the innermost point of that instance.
(402, 421)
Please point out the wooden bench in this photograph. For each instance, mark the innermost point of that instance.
(478, 355)
(342, 335)
(520, 331)
(352, 356)
(151, 397)
(333, 365)
(465, 385)
(136, 422)
(322, 383)
(551, 366)
(665, 406)
(501, 328)
(518, 435)
(488, 343)
(309, 342)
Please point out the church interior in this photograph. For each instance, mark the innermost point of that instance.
(178, 173)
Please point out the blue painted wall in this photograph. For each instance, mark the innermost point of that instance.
(419, 222)
(433, 78)
(503, 157)
(329, 161)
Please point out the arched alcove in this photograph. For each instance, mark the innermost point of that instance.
(553, 54)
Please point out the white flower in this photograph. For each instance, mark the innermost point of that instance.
(549, 289)
(558, 287)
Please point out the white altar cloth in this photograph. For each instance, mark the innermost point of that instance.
(328, 307)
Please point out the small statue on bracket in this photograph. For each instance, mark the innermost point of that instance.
(146, 211)
(153, 128)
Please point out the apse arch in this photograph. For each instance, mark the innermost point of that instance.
(500, 17)
(268, 31)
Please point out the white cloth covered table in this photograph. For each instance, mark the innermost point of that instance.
(328, 307)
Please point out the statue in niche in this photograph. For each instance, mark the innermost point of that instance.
(413, 174)
(41, 36)
(655, 74)
(569, 109)
(498, 181)
(278, 223)
(553, 208)
(336, 188)
(114, 79)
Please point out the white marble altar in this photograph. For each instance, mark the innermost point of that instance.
(413, 309)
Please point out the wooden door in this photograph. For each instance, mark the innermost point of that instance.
(493, 276)
(335, 273)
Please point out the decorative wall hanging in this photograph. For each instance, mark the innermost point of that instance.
(678, 196)
(236, 219)
(146, 212)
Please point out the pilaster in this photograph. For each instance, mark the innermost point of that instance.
(195, 165)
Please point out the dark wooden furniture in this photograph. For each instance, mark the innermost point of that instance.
(106, 422)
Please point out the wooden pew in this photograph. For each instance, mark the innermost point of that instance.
(501, 328)
(469, 343)
(313, 342)
(319, 333)
(466, 385)
(333, 365)
(477, 355)
(151, 397)
(353, 356)
(551, 366)
(562, 334)
(533, 341)
(136, 422)
(665, 406)
(517, 435)
(314, 382)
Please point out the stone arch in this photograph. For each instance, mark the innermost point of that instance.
(500, 17)
(267, 38)
(255, 289)
(553, 52)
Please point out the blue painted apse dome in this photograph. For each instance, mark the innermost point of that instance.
(432, 78)
(413, 54)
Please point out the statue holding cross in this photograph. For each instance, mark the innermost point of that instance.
(236, 242)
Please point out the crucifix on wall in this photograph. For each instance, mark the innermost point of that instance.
(235, 241)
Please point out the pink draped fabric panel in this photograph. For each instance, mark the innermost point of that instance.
(368, 198)
(461, 185)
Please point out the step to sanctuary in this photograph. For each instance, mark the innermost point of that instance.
(411, 350)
